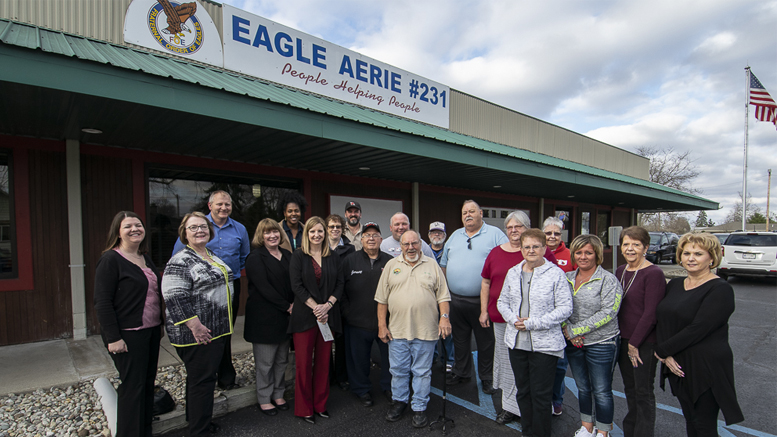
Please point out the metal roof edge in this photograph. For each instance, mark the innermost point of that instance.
(375, 118)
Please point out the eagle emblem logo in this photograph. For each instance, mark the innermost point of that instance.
(176, 27)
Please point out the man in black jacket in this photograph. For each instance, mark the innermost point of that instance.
(361, 272)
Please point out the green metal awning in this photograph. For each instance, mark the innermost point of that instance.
(53, 84)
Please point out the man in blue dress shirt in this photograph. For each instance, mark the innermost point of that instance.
(462, 261)
(232, 244)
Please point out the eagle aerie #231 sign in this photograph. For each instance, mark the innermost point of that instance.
(262, 48)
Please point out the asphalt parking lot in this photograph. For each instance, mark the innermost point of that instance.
(752, 337)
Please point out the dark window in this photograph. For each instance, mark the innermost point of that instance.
(8, 261)
(174, 193)
(602, 227)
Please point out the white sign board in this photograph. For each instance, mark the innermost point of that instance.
(259, 47)
(180, 28)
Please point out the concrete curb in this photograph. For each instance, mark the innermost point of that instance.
(225, 403)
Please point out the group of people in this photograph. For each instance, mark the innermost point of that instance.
(531, 303)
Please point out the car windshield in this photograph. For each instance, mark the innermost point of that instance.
(752, 240)
(655, 239)
(722, 237)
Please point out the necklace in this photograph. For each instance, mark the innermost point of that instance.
(623, 275)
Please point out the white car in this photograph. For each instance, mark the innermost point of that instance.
(749, 253)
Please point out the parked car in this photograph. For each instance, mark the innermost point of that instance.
(749, 253)
(663, 245)
(722, 237)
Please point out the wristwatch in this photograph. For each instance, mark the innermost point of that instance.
(444, 315)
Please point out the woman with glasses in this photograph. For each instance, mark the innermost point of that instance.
(534, 301)
(501, 259)
(644, 286)
(341, 247)
(197, 289)
(317, 286)
(593, 335)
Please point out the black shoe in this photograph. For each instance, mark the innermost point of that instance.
(396, 411)
(505, 417)
(419, 419)
(324, 414)
(488, 387)
(309, 419)
(366, 400)
(231, 386)
(270, 412)
(344, 386)
(454, 379)
(282, 407)
(389, 396)
(213, 428)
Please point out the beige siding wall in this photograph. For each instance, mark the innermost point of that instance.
(98, 19)
(104, 20)
(478, 118)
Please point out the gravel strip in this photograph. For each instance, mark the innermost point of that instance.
(76, 410)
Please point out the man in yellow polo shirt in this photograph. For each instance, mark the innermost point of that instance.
(412, 288)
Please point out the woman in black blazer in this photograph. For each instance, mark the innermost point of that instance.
(267, 313)
(317, 286)
(129, 309)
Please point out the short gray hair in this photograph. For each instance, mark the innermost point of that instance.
(219, 192)
(520, 217)
(555, 221)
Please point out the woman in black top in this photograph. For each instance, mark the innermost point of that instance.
(692, 332)
(129, 309)
(341, 246)
(267, 313)
(317, 286)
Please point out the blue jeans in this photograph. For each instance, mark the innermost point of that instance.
(592, 367)
(558, 384)
(414, 356)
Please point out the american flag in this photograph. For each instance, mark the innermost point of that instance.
(765, 107)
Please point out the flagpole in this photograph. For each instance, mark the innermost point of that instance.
(744, 173)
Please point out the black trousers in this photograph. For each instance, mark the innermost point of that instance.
(201, 363)
(226, 372)
(137, 371)
(359, 347)
(465, 313)
(638, 384)
(534, 375)
(701, 417)
(338, 371)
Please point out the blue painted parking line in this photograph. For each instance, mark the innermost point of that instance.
(486, 408)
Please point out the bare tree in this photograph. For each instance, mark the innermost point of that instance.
(674, 170)
(735, 214)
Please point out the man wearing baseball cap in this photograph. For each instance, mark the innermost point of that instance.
(437, 237)
(353, 229)
(361, 272)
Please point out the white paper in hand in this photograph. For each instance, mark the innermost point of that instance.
(325, 331)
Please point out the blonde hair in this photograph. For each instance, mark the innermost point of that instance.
(582, 240)
(267, 225)
(708, 242)
(182, 227)
(315, 220)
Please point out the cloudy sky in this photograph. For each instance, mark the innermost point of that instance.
(659, 73)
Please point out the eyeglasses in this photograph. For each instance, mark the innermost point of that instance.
(469, 243)
(412, 243)
(194, 228)
(335, 227)
(531, 248)
(551, 233)
(371, 236)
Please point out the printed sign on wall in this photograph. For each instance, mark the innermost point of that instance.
(180, 28)
(259, 47)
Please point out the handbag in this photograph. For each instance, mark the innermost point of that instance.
(163, 401)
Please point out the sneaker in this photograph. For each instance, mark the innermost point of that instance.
(582, 432)
(488, 387)
(396, 411)
(556, 410)
(505, 417)
(448, 368)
